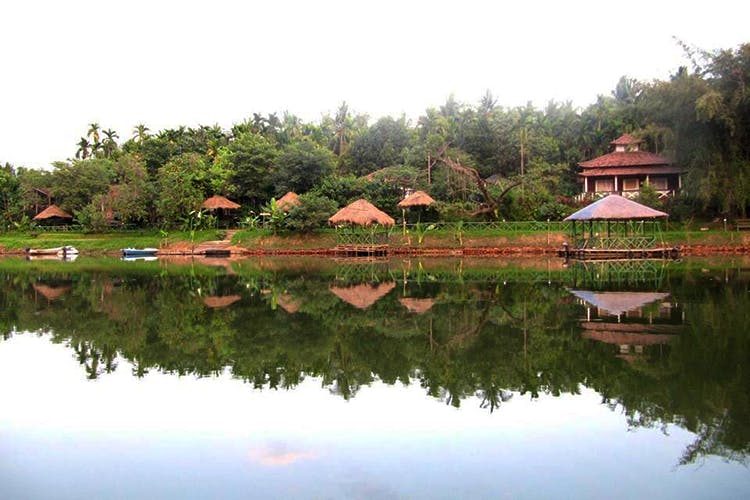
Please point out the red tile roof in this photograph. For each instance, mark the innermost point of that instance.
(625, 159)
(645, 170)
(625, 140)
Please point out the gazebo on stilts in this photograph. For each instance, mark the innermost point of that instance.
(361, 229)
(617, 228)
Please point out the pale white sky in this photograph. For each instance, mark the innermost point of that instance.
(169, 63)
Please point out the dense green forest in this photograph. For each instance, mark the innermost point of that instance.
(479, 160)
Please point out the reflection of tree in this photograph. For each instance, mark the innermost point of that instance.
(479, 338)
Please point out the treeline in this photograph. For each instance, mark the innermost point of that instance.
(480, 161)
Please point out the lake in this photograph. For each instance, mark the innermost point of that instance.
(400, 378)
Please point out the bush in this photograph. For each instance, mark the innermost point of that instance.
(312, 213)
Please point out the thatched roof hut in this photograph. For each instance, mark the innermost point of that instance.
(288, 201)
(364, 295)
(416, 199)
(418, 306)
(216, 202)
(615, 207)
(51, 212)
(361, 213)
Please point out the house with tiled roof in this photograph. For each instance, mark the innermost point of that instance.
(626, 169)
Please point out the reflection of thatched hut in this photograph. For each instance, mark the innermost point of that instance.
(288, 201)
(220, 206)
(364, 295)
(360, 228)
(223, 301)
(418, 306)
(53, 215)
(288, 303)
(616, 227)
(51, 292)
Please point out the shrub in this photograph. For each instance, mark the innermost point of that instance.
(312, 213)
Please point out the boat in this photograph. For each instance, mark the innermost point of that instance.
(139, 252)
(63, 251)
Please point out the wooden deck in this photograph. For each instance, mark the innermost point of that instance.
(619, 253)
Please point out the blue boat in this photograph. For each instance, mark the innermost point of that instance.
(139, 252)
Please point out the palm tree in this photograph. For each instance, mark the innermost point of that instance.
(140, 133)
(84, 148)
(93, 132)
(109, 145)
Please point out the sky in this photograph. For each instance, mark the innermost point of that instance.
(166, 63)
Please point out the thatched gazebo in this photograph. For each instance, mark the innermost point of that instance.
(417, 199)
(288, 201)
(363, 295)
(53, 215)
(220, 206)
(616, 227)
(361, 228)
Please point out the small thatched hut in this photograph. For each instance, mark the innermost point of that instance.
(417, 199)
(361, 213)
(359, 229)
(288, 201)
(220, 206)
(217, 202)
(53, 215)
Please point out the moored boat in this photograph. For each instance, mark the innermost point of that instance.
(139, 252)
(58, 251)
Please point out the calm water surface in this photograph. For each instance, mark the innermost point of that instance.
(313, 378)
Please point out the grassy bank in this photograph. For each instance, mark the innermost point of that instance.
(99, 243)
(264, 240)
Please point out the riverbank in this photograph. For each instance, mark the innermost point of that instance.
(264, 242)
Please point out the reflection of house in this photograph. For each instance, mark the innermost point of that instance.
(626, 169)
(631, 320)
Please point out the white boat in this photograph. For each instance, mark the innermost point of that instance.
(63, 251)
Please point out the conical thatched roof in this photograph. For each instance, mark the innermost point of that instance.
(616, 207)
(52, 211)
(224, 301)
(416, 199)
(361, 213)
(364, 295)
(288, 201)
(419, 306)
(217, 201)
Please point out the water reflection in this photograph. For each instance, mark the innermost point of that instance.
(665, 344)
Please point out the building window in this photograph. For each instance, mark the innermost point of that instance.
(604, 185)
(659, 183)
(630, 184)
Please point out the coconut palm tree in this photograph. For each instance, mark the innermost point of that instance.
(109, 145)
(140, 133)
(84, 149)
